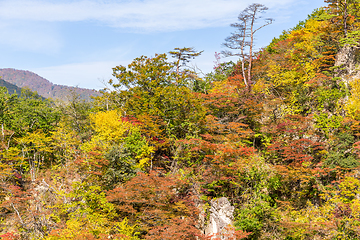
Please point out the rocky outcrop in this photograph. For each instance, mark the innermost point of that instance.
(347, 63)
(221, 219)
(347, 67)
(345, 60)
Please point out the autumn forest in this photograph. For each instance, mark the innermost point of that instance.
(275, 133)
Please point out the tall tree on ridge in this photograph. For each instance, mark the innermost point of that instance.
(183, 56)
(244, 37)
(345, 9)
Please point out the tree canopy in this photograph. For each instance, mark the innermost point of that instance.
(276, 133)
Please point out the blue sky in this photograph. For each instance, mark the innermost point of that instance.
(77, 42)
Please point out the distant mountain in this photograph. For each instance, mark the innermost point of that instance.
(42, 86)
(10, 87)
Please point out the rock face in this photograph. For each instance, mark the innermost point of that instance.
(345, 59)
(221, 218)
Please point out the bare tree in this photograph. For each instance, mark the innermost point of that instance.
(243, 38)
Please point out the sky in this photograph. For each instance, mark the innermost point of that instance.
(78, 42)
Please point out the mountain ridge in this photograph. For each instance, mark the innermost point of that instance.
(10, 87)
(45, 88)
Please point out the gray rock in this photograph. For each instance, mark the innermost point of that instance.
(345, 59)
(221, 219)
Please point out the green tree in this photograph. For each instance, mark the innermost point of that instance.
(32, 112)
(149, 90)
(6, 101)
(183, 56)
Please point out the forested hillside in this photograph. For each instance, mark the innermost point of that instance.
(42, 86)
(276, 134)
(10, 87)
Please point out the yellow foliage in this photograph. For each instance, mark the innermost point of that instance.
(308, 38)
(294, 65)
(78, 229)
(349, 188)
(14, 155)
(111, 130)
(145, 156)
(93, 217)
(339, 208)
(36, 141)
(218, 85)
(123, 228)
(261, 86)
(65, 142)
(224, 87)
(109, 126)
(352, 106)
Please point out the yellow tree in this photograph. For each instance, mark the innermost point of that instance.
(117, 150)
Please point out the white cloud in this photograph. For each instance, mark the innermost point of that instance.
(33, 25)
(148, 15)
(26, 36)
(93, 75)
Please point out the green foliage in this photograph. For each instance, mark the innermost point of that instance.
(328, 123)
(257, 210)
(76, 112)
(221, 72)
(183, 56)
(254, 217)
(352, 39)
(7, 102)
(146, 159)
(89, 215)
(329, 96)
(341, 154)
(30, 112)
(149, 89)
(121, 166)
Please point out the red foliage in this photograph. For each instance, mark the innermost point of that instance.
(160, 205)
(294, 143)
(133, 120)
(9, 236)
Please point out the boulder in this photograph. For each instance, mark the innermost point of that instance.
(221, 219)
